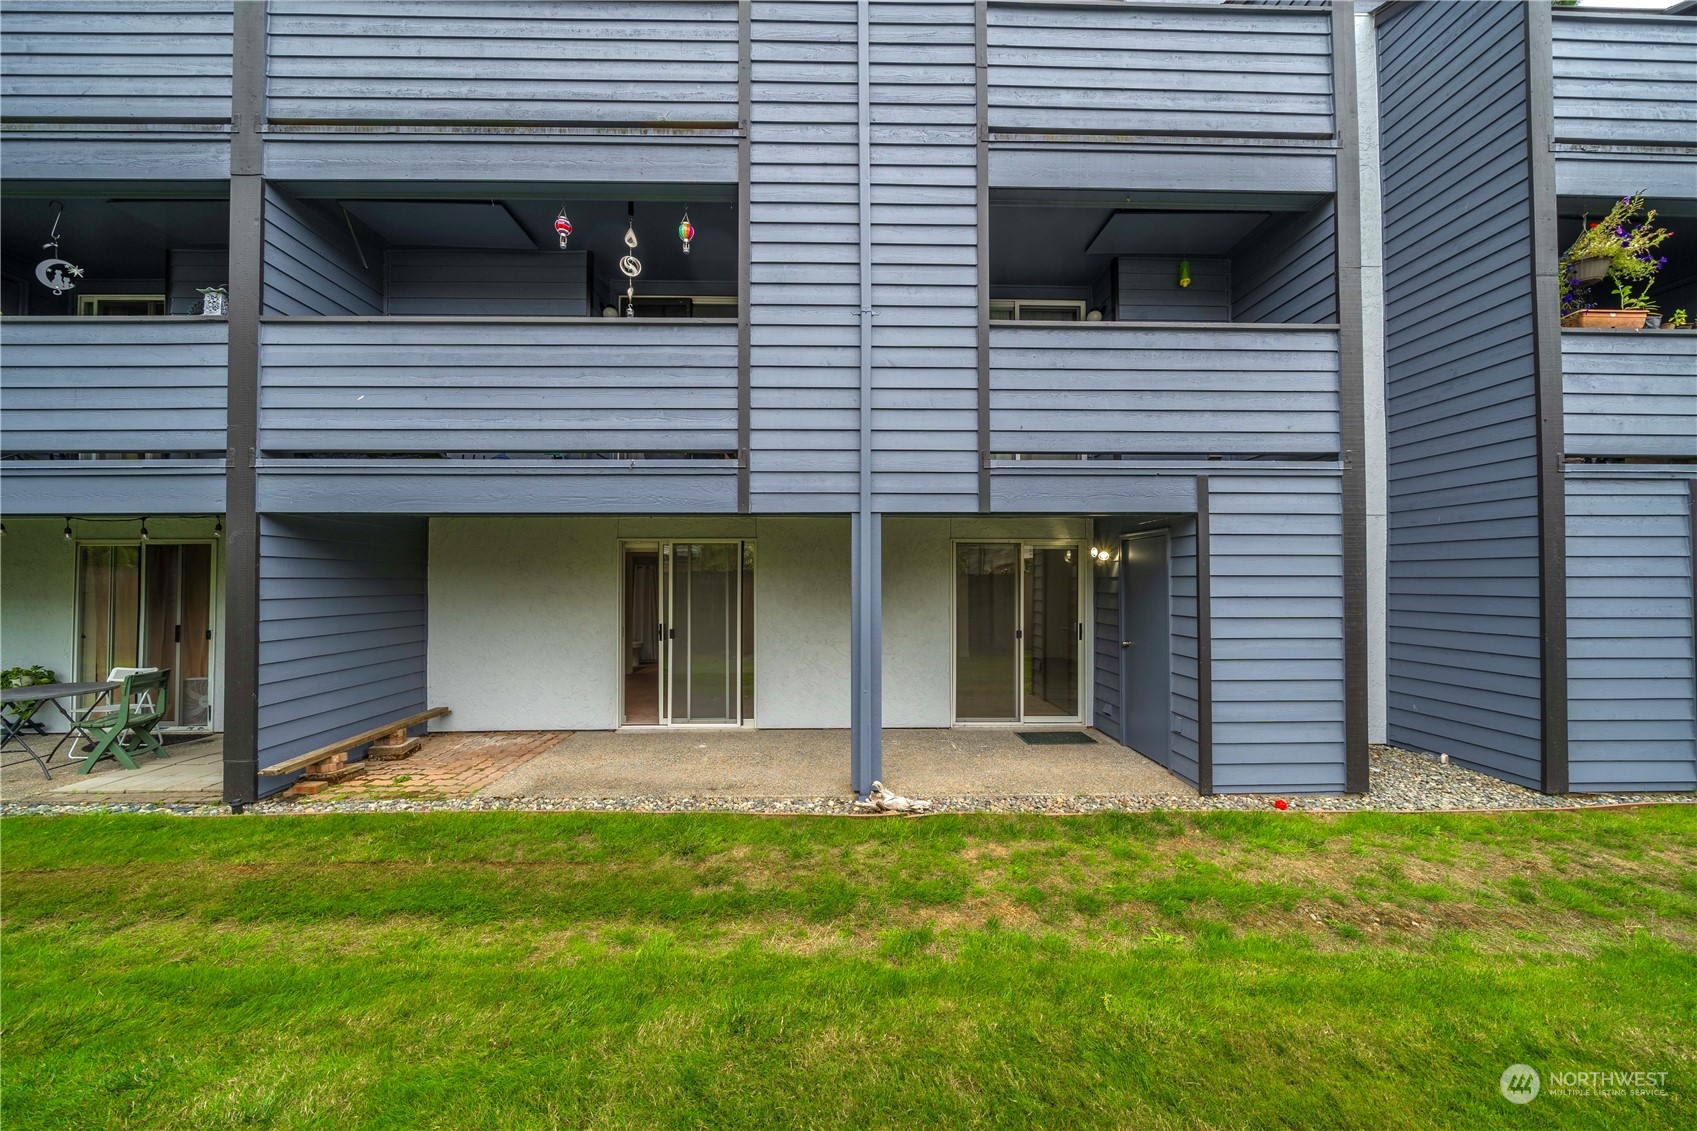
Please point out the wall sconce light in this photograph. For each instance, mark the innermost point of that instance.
(1184, 272)
(144, 528)
(67, 528)
(218, 529)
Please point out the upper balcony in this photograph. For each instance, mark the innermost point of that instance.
(1630, 398)
(153, 78)
(1625, 102)
(1160, 96)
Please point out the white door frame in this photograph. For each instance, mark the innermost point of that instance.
(664, 603)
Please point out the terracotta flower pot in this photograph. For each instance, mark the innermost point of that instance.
(1606, 319)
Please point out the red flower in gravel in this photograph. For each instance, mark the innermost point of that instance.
(1281, 803)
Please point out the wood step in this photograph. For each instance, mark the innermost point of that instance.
(342, 747)
(333, 772)
(394, 752)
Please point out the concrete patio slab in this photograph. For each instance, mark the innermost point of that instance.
(748, 763)
(197, 768)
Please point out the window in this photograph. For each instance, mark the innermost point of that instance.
(1036, 310)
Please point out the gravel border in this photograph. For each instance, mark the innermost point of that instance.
(1402, 782)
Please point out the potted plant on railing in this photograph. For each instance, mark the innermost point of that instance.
(23, 712)
(1627, 246)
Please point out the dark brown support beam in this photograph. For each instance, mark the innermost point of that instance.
(1546, 362)
(241, 519)
(1351, 397)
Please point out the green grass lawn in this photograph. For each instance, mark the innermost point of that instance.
(537, 970)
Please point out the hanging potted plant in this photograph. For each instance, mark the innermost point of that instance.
(1626, 248)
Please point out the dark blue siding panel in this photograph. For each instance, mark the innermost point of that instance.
(1463, 612)
(342, 626)
(113, 385)
(1625, 80)
(804, 272)
(1187, 711)
(1630, 394)
(315, 266)
(452, 61)
(924, 256)
(1276, 602)
(1287, 272)
(1631, 665)
(1138, 69)
(138, 61)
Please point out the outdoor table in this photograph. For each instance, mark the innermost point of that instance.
(53, 693)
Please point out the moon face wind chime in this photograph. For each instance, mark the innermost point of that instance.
(57, 275)
(631, 266)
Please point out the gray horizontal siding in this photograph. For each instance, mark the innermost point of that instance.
(314, 266)
(1289, 272)
(484, 486)
(1625, 80)
(1463, 624)
(924, 256)
(1630, 394)
(137, 61)
(1276, 604)
(1140, 69)
(466, 281)
(804, 269)
(1187, 711)
(454, 61)
(342, 628)
(113, 385)
(398, 386)
(1632, 687)
(1102, 388)
(119, 486)
(1149, 292)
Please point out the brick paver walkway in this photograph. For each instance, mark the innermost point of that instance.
(448, 765)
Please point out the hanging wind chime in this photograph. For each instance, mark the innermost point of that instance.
(686, 230)
(630, 264)
(563, 226)
(57, 275)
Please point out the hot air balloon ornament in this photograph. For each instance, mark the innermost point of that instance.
(686, 231)
(563, 226)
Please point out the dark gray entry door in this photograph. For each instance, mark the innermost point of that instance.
(1146, 650)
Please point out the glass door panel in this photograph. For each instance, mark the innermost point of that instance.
(986, 616)
(109, 609)
(704, 632)
(1050, 663)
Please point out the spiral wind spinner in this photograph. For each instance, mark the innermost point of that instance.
(632, 267)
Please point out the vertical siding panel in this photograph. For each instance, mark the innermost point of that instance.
(1276, 548)
(342, 628)
(924, 106)
(804, 278)
(1632, 672)
(1463, 618)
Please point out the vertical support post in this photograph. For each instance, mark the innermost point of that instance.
(866, 632)
(745, 243)
(867, 652)
(1351, 374)
(981, 57)
(241, 519)
(1204, 646)
(1546, 369)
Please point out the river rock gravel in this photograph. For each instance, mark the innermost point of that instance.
(1400, 781)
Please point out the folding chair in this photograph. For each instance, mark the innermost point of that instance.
(140, 704)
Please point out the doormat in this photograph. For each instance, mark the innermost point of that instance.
(1055, 737)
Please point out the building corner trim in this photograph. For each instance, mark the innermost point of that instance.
(1204, 646)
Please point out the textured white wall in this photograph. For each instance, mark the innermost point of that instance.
(524, 623)
(801, 623)
(918, 647)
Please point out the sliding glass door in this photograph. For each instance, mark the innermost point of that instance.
(1018, 632)
(689, 633)
(149, 605)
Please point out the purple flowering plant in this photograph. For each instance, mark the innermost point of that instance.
(1629, 244)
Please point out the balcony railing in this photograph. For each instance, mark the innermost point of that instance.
(109, 386)
(1624, 79)
(1630, 395)
(1164, 390)
(524, 388)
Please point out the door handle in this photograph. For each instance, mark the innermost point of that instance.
(1125, 644)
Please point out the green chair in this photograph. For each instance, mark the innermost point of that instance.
(128, 728)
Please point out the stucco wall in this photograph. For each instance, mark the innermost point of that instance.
(524, 616)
